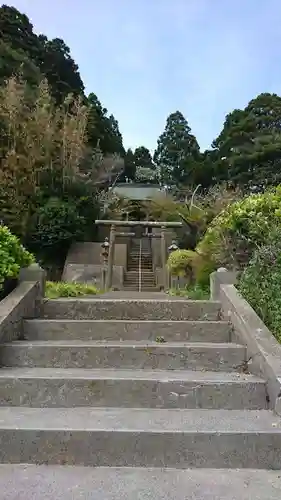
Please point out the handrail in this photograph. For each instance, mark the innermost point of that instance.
(140, 264)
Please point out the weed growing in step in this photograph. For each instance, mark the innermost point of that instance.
(193, 292)
(160, 340)
(55, 290)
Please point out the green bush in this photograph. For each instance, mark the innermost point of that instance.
(202, 268)
(180, 263)
(58, 289)
(244, 225)
(13, 256)
(56, 225)
(260, 284)
(192, 265)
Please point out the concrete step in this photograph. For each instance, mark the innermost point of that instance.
(136, 274)
(144, 273)
(137, 259)
(135, 269)
(135, 283)
(148, 287)
(136, 279)
(54, 387)
(141, 438)
(55, 482)
(99, 308)
(144, 283)
(134, 288)
(145, 280)
(142, 354)
(170, 331)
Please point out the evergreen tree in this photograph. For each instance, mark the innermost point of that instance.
(249, 146)
(130, 167)
(177, 150)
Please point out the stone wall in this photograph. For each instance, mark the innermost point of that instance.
(90, 253)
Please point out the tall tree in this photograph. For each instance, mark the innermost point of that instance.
(177, 150)
(145, 168)
(60, 69)
(13, 62)
(130, 166)
(143, 158)
(249, 145)
(52, 57)
(16, 30)
(103, 130)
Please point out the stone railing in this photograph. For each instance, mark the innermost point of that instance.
(23, 302)
(264, 352)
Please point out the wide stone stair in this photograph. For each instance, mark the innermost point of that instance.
(134, 399)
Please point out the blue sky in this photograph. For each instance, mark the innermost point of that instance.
(147, 58)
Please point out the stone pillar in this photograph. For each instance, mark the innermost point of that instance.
(163, 257)
(34, 273)
(111, 257)
(221, 277)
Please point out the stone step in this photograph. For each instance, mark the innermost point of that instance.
(143, 284)
(135, 275)
(135, 279)
(143, 279)
(167, 309)
(54, 387)
(135, 268)
(145, 273)
(136, 283)
(145, 264)
(26, 481)
(142, 354)
(50, 482)
(141, 438)
(135, 287)
(181, 331)
(136, 258)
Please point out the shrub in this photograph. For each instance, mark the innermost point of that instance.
(13, 256)
(244, 225)
(192, 265)
(56, 225)
(202, 268)
(180, 263)
(58, 289)
(260, 284)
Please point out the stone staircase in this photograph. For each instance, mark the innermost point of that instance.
(151, 394)
(133, 278)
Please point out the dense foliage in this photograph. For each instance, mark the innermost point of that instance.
(260, 283)
(13, 256)
(249, 145)
(59, 148)
(235, 233)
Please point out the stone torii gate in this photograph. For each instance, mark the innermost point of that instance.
(114, 224)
